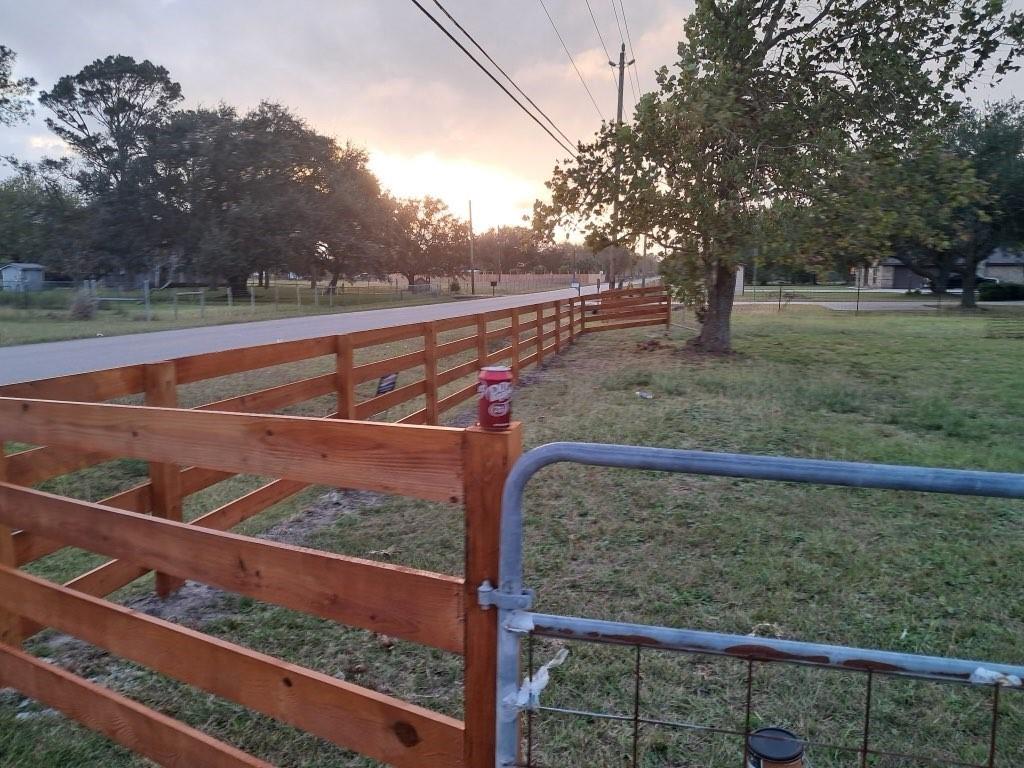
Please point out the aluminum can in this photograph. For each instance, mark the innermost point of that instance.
(494, 397)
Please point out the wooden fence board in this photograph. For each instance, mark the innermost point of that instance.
(93, 386)
(351, 716)
(272, 398)
(397, 364)
(144, 731)
(212, 365)
(401, 459)
(381, 403)
(413, 605)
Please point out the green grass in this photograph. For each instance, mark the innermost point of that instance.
(901, 571)
(33, 325)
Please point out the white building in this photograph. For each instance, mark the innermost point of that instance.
(19, 276)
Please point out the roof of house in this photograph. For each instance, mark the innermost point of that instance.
(22, 265)
(1004, 258)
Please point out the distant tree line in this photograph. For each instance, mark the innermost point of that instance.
(150, 187)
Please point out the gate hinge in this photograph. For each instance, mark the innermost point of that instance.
(488, 596)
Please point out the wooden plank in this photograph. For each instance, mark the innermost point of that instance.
(381, 403)
(406, 603)
(498, 355)
(455, 398)
(370, 371)
(457, 372)
(628, 314)
(430, 370)
(622, 326)
(93, 386)
(416, 417)
(144, 731)
(638, 301)
(272, 398)
(36, 465)
(558, 326)
(489, 457)
(212, 365)
(450, 348)
(193, 480)
(345, 378)
(10, 622)
(516, 333)
(164, 478)
(227, 516)
(114, 574)
(376, 336)
(481, 341)
(353, 717)
(403, 459)
(499, 333)
(454, 323)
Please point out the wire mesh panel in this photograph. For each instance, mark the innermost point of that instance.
(622, 705)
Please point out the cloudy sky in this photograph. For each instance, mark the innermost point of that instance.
(374, 72)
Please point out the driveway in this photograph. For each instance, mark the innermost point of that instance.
(57, 358)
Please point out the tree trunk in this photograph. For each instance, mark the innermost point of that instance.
(715, 330)
(410, 278)
(967, 298)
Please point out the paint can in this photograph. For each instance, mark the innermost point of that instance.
(494, 397)
(774, 748)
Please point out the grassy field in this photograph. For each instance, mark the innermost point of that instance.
(37, 324)
(901, 571)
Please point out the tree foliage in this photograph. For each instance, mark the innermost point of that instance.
(15, 104)
(765, 101)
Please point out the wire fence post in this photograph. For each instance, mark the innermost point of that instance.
(175, 307)
(230, 304)
(277, 297)
(202, 303)
(298, 296)
(780, 298)
(145, 298)
(252, 299)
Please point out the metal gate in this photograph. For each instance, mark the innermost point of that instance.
(517, 622)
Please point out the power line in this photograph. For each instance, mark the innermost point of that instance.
(487, 72)
(622, 40)
(629, 39)
(571, 61)
(601, 38)
(498, 67)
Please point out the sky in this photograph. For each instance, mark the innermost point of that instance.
(376, 73)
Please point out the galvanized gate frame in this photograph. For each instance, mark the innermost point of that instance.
(513, 601)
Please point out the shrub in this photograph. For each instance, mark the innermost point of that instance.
(454, 286)
(1001, 292)
(84, 306)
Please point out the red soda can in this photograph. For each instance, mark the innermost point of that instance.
(494, 397)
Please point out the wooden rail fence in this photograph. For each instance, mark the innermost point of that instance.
(69, 427)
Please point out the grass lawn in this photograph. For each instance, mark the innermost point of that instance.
(901, 571)
(33, 325)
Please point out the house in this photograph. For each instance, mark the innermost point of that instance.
(20, 276)
(1004, 266)
(889, 273)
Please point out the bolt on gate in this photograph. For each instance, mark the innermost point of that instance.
(516, 621)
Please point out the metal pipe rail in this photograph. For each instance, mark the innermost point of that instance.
(513, 602)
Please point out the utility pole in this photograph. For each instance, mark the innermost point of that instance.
(472, 272)
(618, 163)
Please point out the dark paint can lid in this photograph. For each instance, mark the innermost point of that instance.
(776, 745)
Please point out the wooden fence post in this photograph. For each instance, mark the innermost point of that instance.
(540, 334)
(572, 320)
(165, 479)
(430, 370)
(515, 345)
(558, 325)
(481, 341)
(10, 623)
(487, 459)
(343, 378)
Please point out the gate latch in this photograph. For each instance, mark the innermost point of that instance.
(488, 596)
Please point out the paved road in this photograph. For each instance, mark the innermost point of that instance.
(36, 361)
